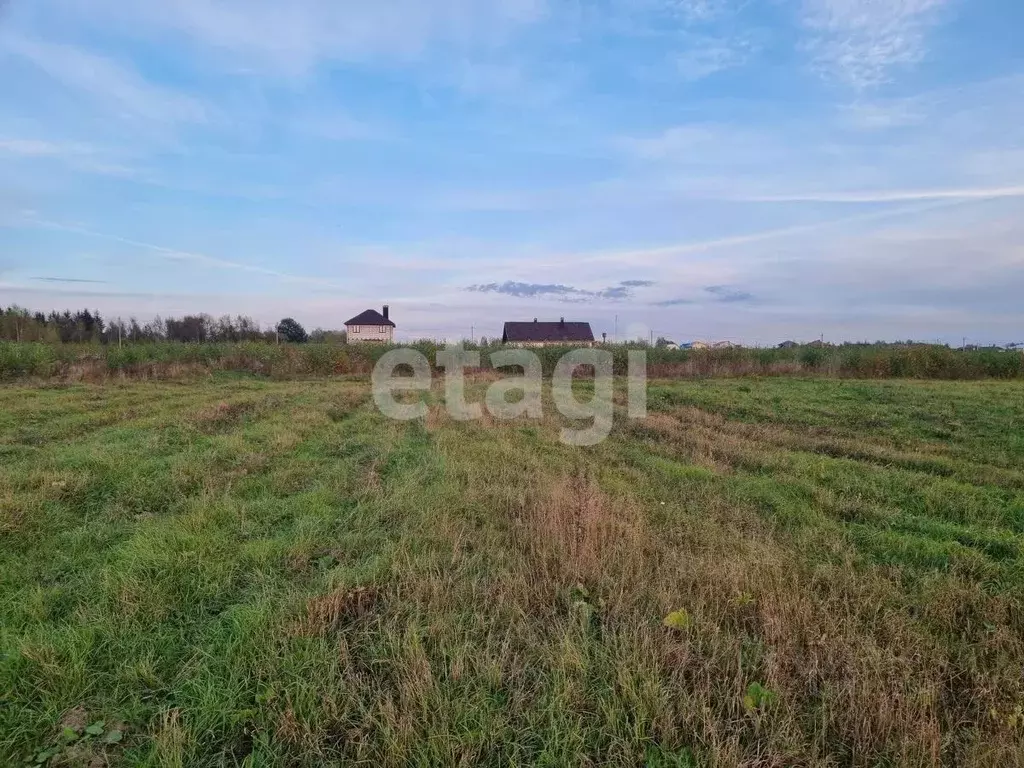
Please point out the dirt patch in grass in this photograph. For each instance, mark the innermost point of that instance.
(75, 718)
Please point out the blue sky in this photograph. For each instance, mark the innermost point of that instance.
(726, 169)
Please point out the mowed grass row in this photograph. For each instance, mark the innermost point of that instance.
(762, 572)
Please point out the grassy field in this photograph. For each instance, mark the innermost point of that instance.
(763, 572)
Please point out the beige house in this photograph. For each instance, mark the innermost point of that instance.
(370, 325)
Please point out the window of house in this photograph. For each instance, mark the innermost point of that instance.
(355, 329)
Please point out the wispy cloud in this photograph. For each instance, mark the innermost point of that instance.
(37, 148)
(623, 290)
(688, 11)
(292, 38)
(674, 303)
(882, 115)
(723, 294)
(75, 155)
(525, 290)
(940, 143)
(173, 254)
(66, 280)
(667, 253)
(861, 42)
(335, 125)
(702, 57)
(891, 196)
(728, 294)
(115, 85)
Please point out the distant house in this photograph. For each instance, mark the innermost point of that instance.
(788, 345)
(723, 345)
(371, 325)
(698, 345)
(537, 334)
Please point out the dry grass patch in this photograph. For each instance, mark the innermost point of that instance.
(222, 416)
(575, 533)
(332, 612)
(12, 511)
(170, 740)
(343, 405)
(437, 417)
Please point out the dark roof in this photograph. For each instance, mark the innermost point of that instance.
(554, 332)
(369, 317)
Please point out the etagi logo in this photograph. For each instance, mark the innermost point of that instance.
(598, 410)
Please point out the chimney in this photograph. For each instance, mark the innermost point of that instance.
(561, 321)
(385, 311)
(535, 319)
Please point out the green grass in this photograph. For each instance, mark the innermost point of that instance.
(249, 572)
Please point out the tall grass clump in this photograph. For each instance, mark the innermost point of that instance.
(27, 359)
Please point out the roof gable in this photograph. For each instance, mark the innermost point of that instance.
(369, 317)
(547, 332)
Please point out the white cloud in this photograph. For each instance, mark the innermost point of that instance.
(176, 255)
(334, 125)
(666, 254)
(705, 56)
(293, 37)
(74, 155)
(883, 115)
(37, 148)
(943, 144)
(861, 41)
(892, 195)
(116, 86)
(695, 10)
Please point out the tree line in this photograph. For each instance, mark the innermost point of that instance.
(89, 326)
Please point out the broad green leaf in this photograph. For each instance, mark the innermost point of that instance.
(96, 728)
(678, 620)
